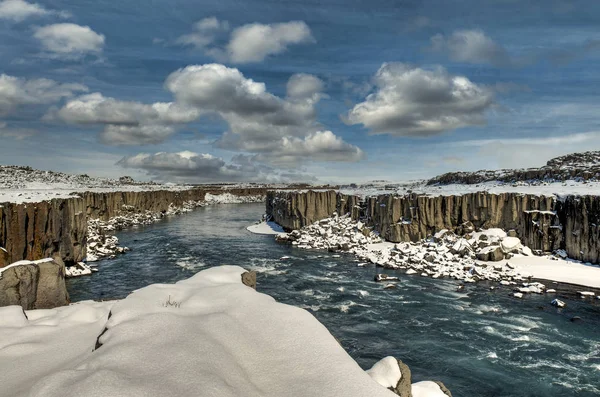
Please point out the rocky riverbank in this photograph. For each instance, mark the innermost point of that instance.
(103, 244)
(545, 224)
(506, 238)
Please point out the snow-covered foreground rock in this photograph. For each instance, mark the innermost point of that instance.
(209, 335)
(490, 254)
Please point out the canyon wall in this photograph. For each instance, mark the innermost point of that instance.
(293, 210)
(107, 205)
(49, 229)
(58, 228)
(541, 222)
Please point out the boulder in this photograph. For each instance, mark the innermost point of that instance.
(492, 253)
(34, 285)
(443, 388)
(249, 279)
(404, 388)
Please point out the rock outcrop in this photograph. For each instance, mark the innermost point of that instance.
(294, 210)
(34, 231)
(34, 285)
(542, 223)
(582, 166)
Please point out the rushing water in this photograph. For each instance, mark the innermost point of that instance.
(479, 342)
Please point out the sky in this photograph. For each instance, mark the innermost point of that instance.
(285, 91)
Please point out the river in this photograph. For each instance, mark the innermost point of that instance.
(479, 342)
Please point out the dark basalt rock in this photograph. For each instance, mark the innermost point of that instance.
(249, 279)
(34, 286)
(544, 224)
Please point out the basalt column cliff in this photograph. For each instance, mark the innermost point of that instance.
(543, 223)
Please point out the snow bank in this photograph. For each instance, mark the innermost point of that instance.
(427, 389)
(386, 372)
(556, 269)
(209, 335)
(265, 228)
(228, 198)
(45, 342)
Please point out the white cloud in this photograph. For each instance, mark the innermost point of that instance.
(279, 130)
(125, 122)
(259, 122)
(318, 146)
(410, 101)
(204, 33)
(19, 10)
(304, 85)
(69, 39)
(248, 43)
(219, 88)
(98, 109)
(193, 167)
(118, 135)
(471, 46)
(254, 42)
(15, 92)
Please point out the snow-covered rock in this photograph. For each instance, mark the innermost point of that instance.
(444, 255)
(558, 303)
(208, 335)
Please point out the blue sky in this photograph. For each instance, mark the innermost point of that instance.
(283, 90)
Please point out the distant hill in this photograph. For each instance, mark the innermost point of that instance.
(579, 166)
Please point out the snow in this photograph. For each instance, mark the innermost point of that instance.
(510, 243)
(427, 389)
(208, 335)
(556, 269)
(24, 262)
(47, 342)
(228, 198)
(446, 255)
(569, 187)
(386, 372)
(266, 228)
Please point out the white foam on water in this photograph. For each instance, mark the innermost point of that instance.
(189, 263)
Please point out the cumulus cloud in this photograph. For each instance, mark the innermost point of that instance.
(19, 10)
(193, 167)
(69, 39)
(203, 33)
(318, 146)
(16, 92)
(304, 85)
(118, 135)
(260, 122)
(248, 43)
(125, 122)
(254, 42)
(97, 109)
(471, 46)
(411, 101)
(280, 130)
